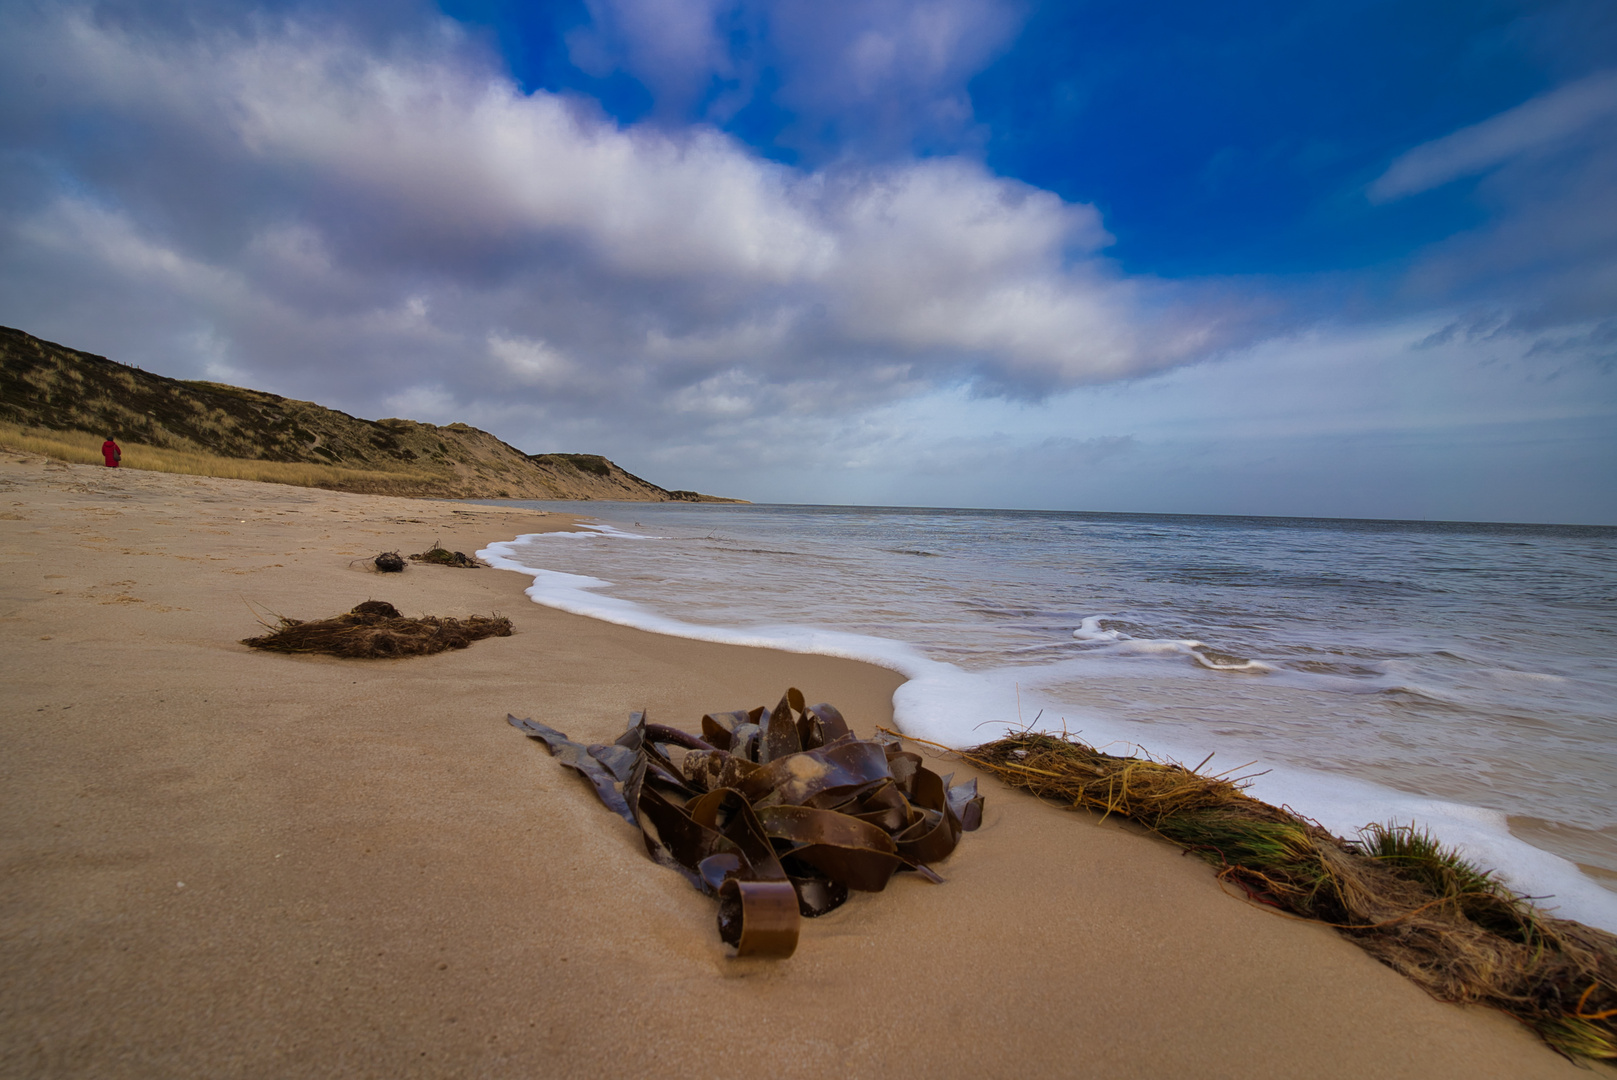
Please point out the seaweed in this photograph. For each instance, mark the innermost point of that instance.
(442, 557)
(376, 630)
(778, 814)
(389, 562)
(1419, 908)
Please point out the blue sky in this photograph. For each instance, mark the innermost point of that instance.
(1345, 259)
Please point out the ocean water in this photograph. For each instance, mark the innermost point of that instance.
(1459, 676)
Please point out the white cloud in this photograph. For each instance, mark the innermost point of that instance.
(729, 394)
(432, 404)
(110, 239)
(530, 360)
(1534, 125)
(881, 73)
(348, 202)
(674, 46)
(898, 69)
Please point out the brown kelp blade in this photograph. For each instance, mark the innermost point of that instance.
(798, 778)
(780, 735)
(777, 813)
(966, 805)
(577, 757)
(759, 918)
(856, 853)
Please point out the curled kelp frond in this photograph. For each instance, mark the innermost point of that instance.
(777, 814)
(1414, 905)
(440, 556)
(375, 629)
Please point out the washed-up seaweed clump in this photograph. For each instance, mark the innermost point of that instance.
(443, 557)
(375, 629)
(1414, 905)
(777, 813)
(389, 562)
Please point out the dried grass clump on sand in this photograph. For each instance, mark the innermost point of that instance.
(1415, 906)
(444, 557)
(375, 629)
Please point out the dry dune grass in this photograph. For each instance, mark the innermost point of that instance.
(84, 448)
(441, 556)
(376, 631)
(1399, 895)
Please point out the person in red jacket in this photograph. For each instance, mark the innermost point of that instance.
(110, 451)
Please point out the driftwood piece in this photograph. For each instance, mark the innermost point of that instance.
(778, 815)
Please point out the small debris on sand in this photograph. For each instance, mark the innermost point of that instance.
(375, 629)
(443, 557)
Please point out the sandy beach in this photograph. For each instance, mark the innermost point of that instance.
(219, 862)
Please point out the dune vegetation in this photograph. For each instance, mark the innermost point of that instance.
(83, 448)
(63, 402)
(1415, 905)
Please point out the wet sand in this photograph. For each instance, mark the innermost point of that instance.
(219, 862)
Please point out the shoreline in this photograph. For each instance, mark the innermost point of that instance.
(940, 699)
(382, 878)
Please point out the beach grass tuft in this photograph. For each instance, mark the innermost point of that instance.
(1417, 906)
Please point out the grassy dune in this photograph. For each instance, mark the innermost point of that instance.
(62, 402)
(85, 449)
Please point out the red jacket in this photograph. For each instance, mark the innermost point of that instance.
(110, 451)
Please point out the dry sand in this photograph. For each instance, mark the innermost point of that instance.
(219, 862)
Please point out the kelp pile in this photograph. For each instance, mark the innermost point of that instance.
(440, 556)
(778, 814)
(1420, 909)
(389, 562)
(375, 629)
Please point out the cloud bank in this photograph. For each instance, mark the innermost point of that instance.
(290, 205)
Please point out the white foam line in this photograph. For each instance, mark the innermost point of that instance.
(1089, 632)
(592, 530)
(575, 593)
(944, 703)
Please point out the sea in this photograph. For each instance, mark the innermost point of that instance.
(1458, 677)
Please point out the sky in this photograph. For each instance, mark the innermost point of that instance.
(1344, 259)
